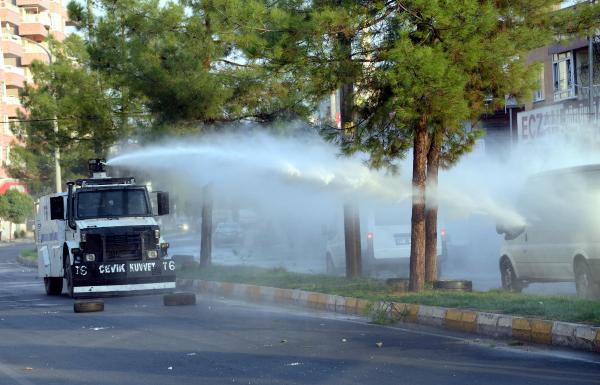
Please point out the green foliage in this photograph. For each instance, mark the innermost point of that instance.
(68, 108)
(177, 60)
(15, 206)
(148, 68)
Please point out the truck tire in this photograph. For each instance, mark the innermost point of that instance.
(509, 278)
(88, 306)
(69, 279)
(453, 285)
(586, 287)
(179, 299)
(53, 285)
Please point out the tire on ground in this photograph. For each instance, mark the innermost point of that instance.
(179, 299)
(88, 306)
(454, 285)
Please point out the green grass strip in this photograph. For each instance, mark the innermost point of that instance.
(559, 308)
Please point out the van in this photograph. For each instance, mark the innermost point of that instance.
(559, 240)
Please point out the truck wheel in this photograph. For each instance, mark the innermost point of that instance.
(584, 282)
(329, 265)
(179, 299)
(88, 306)
(509, 278)
(53, 285)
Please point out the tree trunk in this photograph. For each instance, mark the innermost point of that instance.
(208, 8)
(351, 212)
(207, 227)
(352, 241)
(417, 245)
(433, 164)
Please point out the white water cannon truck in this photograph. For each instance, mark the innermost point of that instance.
(102, 238)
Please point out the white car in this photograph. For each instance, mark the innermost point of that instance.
(385, 243)
(560, 240)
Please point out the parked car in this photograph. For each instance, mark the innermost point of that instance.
(560, 238)
(228, 233)
(385, 243)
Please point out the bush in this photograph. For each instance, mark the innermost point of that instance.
(15, 234)
(22, 234)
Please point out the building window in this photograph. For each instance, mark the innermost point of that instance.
(564, 75)
(538, 95)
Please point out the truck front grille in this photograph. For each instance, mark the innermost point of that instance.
(125, 246)
(131, 245)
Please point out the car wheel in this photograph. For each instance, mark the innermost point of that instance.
(88, 306)
(509, 278)
(330, 266)
(586, 287)
(53, 285)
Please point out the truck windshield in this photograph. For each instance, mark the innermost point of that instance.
(112, 203)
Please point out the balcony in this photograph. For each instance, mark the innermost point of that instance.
(13, 76)
(9, 12)
(44, 4)
(28, 58)
(34, 31)
(41, 18)
(11, 45)
(11, 105)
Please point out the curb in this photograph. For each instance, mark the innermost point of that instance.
(24, 262)
(555, 333)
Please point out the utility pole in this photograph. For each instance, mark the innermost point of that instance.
(207, 227)
(591, 73)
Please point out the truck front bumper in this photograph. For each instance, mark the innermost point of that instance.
(123, 277)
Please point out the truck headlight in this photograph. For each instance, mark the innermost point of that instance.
(152, 254)
(157, 233)
(90, 257)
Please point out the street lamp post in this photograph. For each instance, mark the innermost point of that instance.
(510, 103)
(57, 169)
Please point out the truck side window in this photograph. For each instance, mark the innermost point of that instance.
(57, 208)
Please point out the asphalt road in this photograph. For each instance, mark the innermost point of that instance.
(137, 340)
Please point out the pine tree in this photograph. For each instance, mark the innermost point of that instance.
(420, 70)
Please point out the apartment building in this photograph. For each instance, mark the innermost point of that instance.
(25, 26)
(567, 101)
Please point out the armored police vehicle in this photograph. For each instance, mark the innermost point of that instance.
(101, 237)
